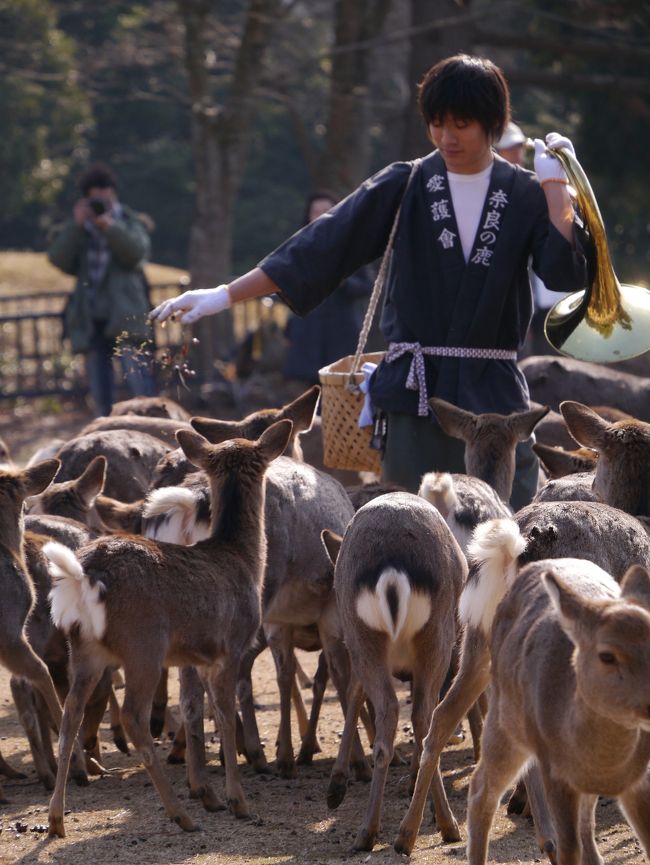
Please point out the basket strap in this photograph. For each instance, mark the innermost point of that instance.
(379, 284)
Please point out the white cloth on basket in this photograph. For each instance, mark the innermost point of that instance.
(365, 416)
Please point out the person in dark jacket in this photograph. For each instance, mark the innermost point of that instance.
(458, 301)
(105, 245)
(330, 331)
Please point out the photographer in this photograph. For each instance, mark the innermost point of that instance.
(105, 245)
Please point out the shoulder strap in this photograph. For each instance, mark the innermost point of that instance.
(379, 281)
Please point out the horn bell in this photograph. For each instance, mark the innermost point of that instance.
(608, 321)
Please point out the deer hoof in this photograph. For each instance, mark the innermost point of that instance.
(56, 828)
(186, 823)
(362, 771)
(119, 739)
(209, 799)
(336, 791)
(365, 840)
(405, 841)
(239, 808)
(450, 834)
(306, 756)
(287, 769)
(176, 756)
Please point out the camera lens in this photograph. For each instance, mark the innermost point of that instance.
(97, 205)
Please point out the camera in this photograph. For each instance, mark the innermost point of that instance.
(97, 205)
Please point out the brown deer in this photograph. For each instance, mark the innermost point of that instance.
(397, 578)
(19, 603)
(570, 658)
(604, 535)
(209, 624)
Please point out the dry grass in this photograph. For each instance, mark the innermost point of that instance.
(31, 273)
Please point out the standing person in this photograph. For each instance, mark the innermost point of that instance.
(332, 329)
(105, 245)
(458, 300)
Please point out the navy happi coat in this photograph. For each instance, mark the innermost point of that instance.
(433, 296)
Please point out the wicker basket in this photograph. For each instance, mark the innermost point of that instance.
(345, 445)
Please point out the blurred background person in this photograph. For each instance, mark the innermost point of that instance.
(105, 245)
(331, 331)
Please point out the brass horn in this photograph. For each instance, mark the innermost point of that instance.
(607, 321)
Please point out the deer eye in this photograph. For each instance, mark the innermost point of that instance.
(607, 658)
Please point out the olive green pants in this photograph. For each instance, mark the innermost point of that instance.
(415, 445)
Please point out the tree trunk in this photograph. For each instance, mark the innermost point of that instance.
(220, 138)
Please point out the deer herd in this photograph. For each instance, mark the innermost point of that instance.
(155, 540)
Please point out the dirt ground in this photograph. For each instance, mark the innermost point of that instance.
(119, 818)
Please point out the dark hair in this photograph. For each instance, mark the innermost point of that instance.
(98, 175)
(467, 88)
(317, 196)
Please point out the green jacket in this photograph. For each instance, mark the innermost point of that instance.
(122, 298)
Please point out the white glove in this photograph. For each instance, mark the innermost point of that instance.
(547, 167)
(193, 304)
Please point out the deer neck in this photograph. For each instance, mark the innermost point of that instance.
(12, 532)
(237, 505)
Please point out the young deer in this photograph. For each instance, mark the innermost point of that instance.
(397, 578)
(604, 535)
(19, 602)
(490, 444)
(209, 624)
(570, 654)
(74, 499)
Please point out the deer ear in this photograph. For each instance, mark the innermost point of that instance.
(574, 611)
(194, 446)
(635, 586)
(217, 431)
(301, 410)
(585, 426)
(522, 423)
(38, 478)
(274, 439)
(91, 481)
(454, 421)
(332, 543)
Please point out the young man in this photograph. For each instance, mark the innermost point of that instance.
(458, 301)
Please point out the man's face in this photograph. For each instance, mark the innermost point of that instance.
(463, 144)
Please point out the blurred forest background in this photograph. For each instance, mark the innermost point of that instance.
(220, 116)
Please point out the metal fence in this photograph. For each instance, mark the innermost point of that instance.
(35, 361)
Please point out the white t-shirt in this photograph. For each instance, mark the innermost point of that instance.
(468, 193)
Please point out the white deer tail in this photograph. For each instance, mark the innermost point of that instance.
(73, 599)
(492, 555)
(170, 515)
(392, 606)
(438, 489)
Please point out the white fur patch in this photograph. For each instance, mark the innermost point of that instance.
(494, 547)
(73, 600)
(438, 489)
(413, 608)
(179, 507)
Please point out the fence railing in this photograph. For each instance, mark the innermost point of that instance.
(35, 361)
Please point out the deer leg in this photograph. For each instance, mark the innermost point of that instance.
(468, 684)
(86, 672)
(338, 664)
(475, 718)
(93, 715)
(30, 718)
(635, 804)
(340, 770)
(299, 706)
(381, 694)
(310, 744)
(535, 798)
(590, 854)
(303, 679)
(140, 685)
(425, 687)
(21, 660)
(8, 771)
(252, 744)
(281, 644)
(500, 762)
(160, 698)
(221, 680)
(119, 737)
(192, 712)
(564, 806)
